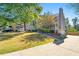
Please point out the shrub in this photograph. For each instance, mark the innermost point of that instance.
(72, 30)
(45, 30)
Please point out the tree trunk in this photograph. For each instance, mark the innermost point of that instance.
(14, 27)
(25, 27)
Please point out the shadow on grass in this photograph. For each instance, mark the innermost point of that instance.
(8, 35)
(34, 37)
(59, 39)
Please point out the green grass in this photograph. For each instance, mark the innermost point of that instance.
(6, 36)
(18, 41)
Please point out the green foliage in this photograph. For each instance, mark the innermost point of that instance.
(77, 27)
(45, 30)
(46, 22)
(20, 13)
(75, 20)
(67, 24)
(72, 30)
(75, 7)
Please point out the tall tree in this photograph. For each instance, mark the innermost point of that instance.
(7, 15)
(75, 22)
(67, 24)
(75, 7)
(24, 13)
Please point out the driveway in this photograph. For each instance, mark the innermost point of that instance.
(70, 47)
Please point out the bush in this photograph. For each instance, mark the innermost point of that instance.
(72, 30)
(62, 36)
(45, 30)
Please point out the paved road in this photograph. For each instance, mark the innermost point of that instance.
(70, 47)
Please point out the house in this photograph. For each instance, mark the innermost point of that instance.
(58, 25)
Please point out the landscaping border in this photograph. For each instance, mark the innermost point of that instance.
(73, 33)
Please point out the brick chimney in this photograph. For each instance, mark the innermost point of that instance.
(61, 21)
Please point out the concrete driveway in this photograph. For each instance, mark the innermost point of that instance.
(70, 47)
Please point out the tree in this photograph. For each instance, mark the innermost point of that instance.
(77, 27)
(46, 22)
(7, 15)
(29, 14)
(24, 13)
(75, 22)
(75, 7)
(67, 24)
(3, 23)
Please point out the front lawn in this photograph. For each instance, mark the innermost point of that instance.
(10, 42)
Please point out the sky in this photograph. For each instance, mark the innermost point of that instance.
(54, 8)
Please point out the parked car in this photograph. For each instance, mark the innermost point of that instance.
(8, 29)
